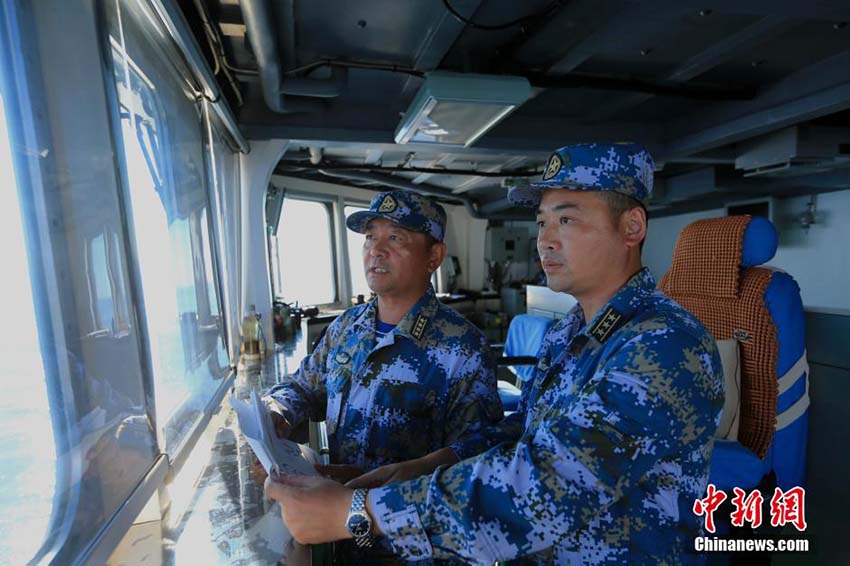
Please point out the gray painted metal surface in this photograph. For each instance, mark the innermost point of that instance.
(828, 466)
(828, 339)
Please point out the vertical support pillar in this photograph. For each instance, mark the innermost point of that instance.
(254, 271)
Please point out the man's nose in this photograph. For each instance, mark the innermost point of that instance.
(547, 238)
(376, 247)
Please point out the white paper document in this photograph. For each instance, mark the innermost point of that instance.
(277, 455)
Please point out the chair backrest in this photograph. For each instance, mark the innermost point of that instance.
(715, 276)
(525, 337)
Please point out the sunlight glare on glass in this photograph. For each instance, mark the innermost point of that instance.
(28, 467)
(305, 253)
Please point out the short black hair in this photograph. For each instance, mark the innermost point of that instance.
(618, 203)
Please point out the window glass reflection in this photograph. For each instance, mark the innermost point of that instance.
(28, 466)
(163, 149)
(75, 432)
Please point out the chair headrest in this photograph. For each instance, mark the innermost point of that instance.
(760, 241)
(710, 253)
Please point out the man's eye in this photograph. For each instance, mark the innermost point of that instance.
(564, 220)
(540, 224)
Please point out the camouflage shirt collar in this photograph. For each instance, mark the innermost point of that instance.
(619, 309)
(412, 325)
(415, 322)
(366, 319)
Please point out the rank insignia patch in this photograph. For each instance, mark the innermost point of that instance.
(610, 321)
(419, 327)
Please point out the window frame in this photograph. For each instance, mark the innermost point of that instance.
(329, 203)
(215, 216)
(352, 262)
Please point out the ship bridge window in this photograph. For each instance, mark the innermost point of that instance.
(28, 467)
(305, 253)
(162, 130)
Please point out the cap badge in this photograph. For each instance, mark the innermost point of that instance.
(553, 167)
(388, 204)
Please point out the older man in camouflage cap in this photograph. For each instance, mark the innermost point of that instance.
(403, 378)
(611, 444)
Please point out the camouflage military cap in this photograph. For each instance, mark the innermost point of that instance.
(626, 168)
(407, 209)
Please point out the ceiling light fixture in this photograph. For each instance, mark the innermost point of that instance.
(458, 108)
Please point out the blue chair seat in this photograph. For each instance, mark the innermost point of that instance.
(525, 336)
(509, 394)
(733, 465)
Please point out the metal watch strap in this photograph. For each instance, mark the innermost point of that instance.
(358, 505)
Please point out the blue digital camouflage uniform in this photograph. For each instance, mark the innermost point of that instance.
(611, 442)
(428, 384)
(602, 461)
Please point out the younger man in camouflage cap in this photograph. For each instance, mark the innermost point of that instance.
(611, 443)
(403, 378)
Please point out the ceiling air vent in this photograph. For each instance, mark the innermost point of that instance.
(798, 150)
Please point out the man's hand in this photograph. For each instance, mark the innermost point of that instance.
(390, 473)
(339, 472)
(258, 472)
(282, 429)
(404, 470)
(314, 508)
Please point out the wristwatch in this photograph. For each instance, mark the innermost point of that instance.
(359, 524)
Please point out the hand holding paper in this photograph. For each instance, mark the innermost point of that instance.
(277, 455)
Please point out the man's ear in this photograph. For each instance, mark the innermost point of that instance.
(436, 256)
(633, 226)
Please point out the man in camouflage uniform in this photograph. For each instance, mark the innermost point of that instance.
(612, 441)
(403, 376)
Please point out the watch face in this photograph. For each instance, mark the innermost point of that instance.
(359, 525)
